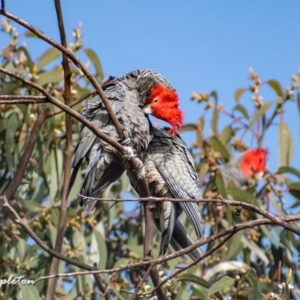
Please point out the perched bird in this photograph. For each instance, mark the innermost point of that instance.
(128, 96)
(251, 163)
(170, 172)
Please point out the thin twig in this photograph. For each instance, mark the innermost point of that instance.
(139, 285)
(203, 241)
(42, 114)
(218, 201)
(135, 166)
(18, 220)
(69, 110)
(75, 60)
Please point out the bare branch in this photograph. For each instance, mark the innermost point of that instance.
(203, 241)
(51, 287)
(19, 99)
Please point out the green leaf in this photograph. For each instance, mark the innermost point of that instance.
(21, 249)
(30, 34)
(188, 127)
(214, 94)
(241, 195)
(221, 186)
(234, 246)
(10, 142)
(242, 109)
(98, 251)
(214, 121)
(52, 233)
(238, 93)
(216, 143)
(96, 62)
(29, 61)
(137, 249)
(273, 237)
(50, 55)
(258, 115)
(197, 280)
(285, 144)
(286, 293)
(223, 283)
(200, 126)
(52, 76)
(28, 291)
(294, 189)
(275, 85)
(286, 169)
(227, 134)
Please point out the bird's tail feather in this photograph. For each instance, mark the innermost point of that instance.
(181, 239)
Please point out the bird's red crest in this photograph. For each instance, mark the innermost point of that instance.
(254, 161)
(164, 103)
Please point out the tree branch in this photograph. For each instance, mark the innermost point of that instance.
(135, 166)
(18, 220)
(51, 287)
(203, 241)
(42, 115)
(74, 59)
(218, 201)
(69, 110)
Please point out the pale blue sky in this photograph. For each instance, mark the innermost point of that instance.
(197, 45)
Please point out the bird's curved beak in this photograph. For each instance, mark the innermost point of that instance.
(147, 109)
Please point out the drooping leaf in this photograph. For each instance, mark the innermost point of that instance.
(28, 291)
(221, 186)
(224, 267)
(221, 284)
(294, 189)
(47, 57)
(9, 145)
(214, 121)
(21, 249)
(96, 62)
(263, 109)
(52, 76)
(29, 61)
(234, 246)
(30, 34)
(242, 109)
(197, 280)
(275, 85)
(286, 293)
(241, 195)
(287, 169)
(188, 127)
(214, 94)
(238, 94)
(227, 134)
(285, 144)
(52, 233)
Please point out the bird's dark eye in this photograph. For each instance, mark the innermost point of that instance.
(155, 100)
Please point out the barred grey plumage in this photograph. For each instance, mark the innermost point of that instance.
(127, 95)
(232, 172)
(241, 168)
(170, 172)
